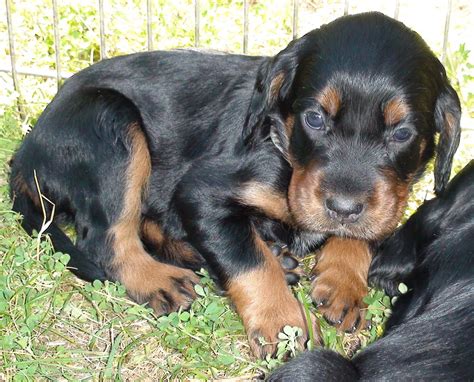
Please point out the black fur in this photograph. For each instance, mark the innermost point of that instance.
(429, 336)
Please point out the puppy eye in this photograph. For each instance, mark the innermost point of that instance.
(402, 135)
(314, 120)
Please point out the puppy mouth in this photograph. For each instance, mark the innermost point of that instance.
(345, 229)
(318, 221)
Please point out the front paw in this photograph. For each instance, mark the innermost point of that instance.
(169, 291)
(266, 305)
(393, 264)
(340, 283)
(264, 326)
(388, 276)
(340, 300)
(288, 262)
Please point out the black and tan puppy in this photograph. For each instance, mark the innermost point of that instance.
(429, 336)
(167, 160)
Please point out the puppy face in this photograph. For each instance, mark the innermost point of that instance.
(354, 154)
(355, 107)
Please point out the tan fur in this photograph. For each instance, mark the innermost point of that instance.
(341, 280)
(394, 111)
(305, 197)
(152, 233)
(422, 148)
(275, 85)
(262, 196)
(141, 275)
(387, 203)
(330, 100)
(289, 125)
(450, 122)
(171, 249)
(19, 185)
(265, 303)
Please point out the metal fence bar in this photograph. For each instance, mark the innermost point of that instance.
(103, 53)
(11, 43)
(197, 21)
(396, 12)
(43, 73)
(346, 7)
(446, 31)
(149, 32)
(295, 19)
(57, 42)
(246, 26)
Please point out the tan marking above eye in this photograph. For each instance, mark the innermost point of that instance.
(394, 111)
(330, 99)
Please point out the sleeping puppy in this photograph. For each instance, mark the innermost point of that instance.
(429, 336)
(168, 161)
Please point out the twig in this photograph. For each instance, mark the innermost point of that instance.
(46, 223)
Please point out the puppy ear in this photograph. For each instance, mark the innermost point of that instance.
(447, 119)
(273, 84)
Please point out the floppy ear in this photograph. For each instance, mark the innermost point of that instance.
(447, 119)
(273, 84)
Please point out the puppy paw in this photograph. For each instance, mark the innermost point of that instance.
(340, 303)
(167, 290)
(288, 262)
(340, 282)
(394, 262)
(266, 305)
(178, 292)
(264, 326)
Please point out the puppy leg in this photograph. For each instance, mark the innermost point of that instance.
(167, 249)
(340, 282)
(164, 287)
(265, 303)
(246, 267)
(394, 262)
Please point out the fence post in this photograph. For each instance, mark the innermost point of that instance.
(396, 12)
(246, 26)
(11, 42)
(197, 22)
(103, 53)
(56, 43)
(446, 31)
(148, 25)
(346, 7)
(295, 19)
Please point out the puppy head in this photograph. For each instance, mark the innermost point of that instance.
(354, 107)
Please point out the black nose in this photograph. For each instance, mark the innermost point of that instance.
(344, 209)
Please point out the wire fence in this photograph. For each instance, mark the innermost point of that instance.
(60, 75)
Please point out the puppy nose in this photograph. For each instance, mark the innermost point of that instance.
(344, 209)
